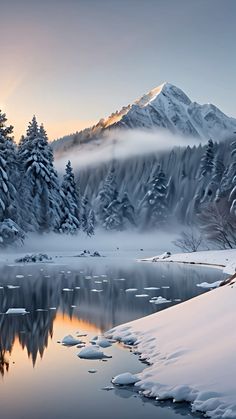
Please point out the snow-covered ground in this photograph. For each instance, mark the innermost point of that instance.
(224, 259)
(191, 347)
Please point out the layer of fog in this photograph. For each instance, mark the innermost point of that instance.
(122, 144)
(129, 243)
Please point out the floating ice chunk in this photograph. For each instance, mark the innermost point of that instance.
(67, 289)
(177, 299)
(52, 308)
(105, 280)
(88, 277)
(1, 288)
(165, 286)
(141, 295)
(125, 379)
(119, 279)
(12, 287)
(151, 288)
(92, 352)
(19, 276)
(73, 306)
(98, 282)
(95, 290)
(69, 272)
(208, 285)
(103, 342)
(103, 276)
(16, 311)
(41, 309)
(131, 289)
(69, 340)
(95, 276)
(92, 371)
(159, 300)
(77, 288)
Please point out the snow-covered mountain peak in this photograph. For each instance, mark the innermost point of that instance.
(166, 107)
(148, 97)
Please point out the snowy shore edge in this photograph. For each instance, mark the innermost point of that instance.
(189, 360)
(221, 259)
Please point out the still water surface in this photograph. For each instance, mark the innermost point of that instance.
(43, 379)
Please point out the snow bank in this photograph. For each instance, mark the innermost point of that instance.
(225, 259)
(191, 351)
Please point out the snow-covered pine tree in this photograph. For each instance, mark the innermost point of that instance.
(203, 188)
(232, 180)
(9, 198)
(88, 219)
(114, 214)
(106, 195)
(155, 200)
(91, 223)
(127, 210)
(70, 216)
(40, 181)
(207, 161)
(212, 185)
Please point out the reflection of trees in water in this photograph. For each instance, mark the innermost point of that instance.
(34, 329)
(4, 363)
(110, 307)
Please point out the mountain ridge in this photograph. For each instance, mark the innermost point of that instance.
(167, 107)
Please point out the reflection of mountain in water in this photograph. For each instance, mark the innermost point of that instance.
(42, 289)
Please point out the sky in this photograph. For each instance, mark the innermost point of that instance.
(72, 62)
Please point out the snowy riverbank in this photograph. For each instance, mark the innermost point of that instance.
(223, 259)
(191, 347)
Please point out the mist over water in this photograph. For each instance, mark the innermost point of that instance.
(125, 243)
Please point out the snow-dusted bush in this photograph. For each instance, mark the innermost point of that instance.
(33, 258)
(189, 240)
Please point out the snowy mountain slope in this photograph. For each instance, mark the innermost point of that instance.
(166, 107)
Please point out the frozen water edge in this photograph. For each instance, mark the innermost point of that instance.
(220, 259)
(191, 357)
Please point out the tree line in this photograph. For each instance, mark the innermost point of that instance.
(196, 185)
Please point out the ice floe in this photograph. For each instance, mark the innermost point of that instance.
(125, 379)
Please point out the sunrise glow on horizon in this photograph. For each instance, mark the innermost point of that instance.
(73, 63)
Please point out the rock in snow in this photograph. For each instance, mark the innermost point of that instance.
(69, 340)
(92, 352)
(125, 379)
(102, 342)
(33, 258)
